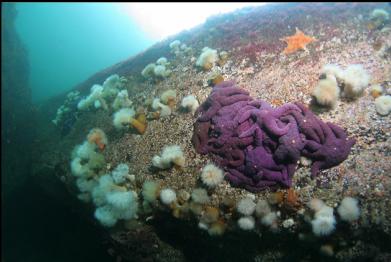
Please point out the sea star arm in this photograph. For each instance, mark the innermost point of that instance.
(272, 175)
(246, 115)
(261, 104)
(308, 123)
(225, 84)
(237, 178)
(315, 168)
(338, 131)
(200, 136)
(285, 108)
(327, 131)
(312, 145)
(233, 99)
(208, 114)
(230, 91)
(249, 132)
(258, 136)
(270, 123)
(236, 158)
(319, 154)
(264, 183)
(242, 111)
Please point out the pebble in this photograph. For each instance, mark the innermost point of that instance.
(327, 250)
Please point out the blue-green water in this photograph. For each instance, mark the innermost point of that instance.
(67, 43)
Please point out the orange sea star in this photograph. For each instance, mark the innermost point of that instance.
(297, 41)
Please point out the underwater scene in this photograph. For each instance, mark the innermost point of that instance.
(262, 134)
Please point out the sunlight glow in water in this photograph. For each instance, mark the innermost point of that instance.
(161, 20)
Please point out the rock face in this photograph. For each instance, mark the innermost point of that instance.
(16, 110)
(252, 38)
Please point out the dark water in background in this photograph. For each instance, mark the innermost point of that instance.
(36, 227)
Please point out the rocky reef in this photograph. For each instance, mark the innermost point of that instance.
(295, 172)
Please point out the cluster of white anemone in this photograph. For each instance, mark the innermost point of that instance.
(179, 48)
(324, 222)
(354, 80)
(99, 94)
(159, 69)
(107, 191)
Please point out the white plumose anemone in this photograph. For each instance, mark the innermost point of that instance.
(323, 225)
(324, 221)
(246, 206)
(246, 223)
(383, 105)
(190, 102)
(348, 210)
(212, 175)
(167, 196)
